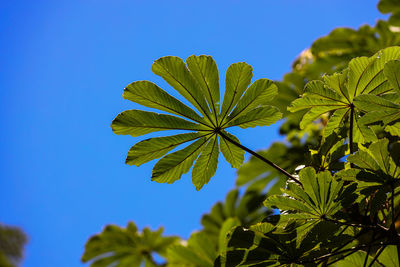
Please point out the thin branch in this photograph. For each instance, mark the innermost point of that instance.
(369, 250)
(392, 202)
(348, 250)
(352, 224)
(398, 254)
(377, 255)
(351, 128)
(260, 157)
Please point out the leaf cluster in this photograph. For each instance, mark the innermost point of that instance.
(331, 195)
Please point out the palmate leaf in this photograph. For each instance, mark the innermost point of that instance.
(378, 160)
(319, 200)
(340, 93)
(197, 81)
(117, 246)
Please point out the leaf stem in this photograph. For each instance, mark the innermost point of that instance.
(351, 224)
(377, 255)
(351, 128)
(369, 250)
(255, 154)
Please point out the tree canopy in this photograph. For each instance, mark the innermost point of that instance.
(327, 196)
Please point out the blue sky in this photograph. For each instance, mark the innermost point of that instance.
(64, 65)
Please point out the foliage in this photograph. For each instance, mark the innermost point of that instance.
(331, 195)
(198, 82)
(126, 247)
(393, 7)
(12, 241)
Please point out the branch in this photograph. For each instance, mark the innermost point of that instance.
(351, 128)
(260, 157)
(348, 250)
(369, 250)
(377, 255)
(355, 224)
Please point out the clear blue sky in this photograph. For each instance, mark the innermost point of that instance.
(64, 65)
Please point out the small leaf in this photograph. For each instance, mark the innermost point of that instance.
(225, 229)
(137, 122)
(206, 165)
(233, 154)
(262, 116)
(393, 129)
(205, 71)
(260, 93)
(335, 121)
(392, 73)
(171, 167)
(174, 71)
(362, 133)
(150, 95)
(238, 77)
(155, 148)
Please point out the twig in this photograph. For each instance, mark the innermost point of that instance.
(377, 255)
(260, 157)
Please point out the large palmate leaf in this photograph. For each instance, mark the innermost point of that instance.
(337, 94)
(197, 80)
(124, 247)
(317, 202)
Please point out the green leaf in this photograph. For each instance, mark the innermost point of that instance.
(150, 95)
(205, 71)
(317, 89)
(286, 203)
(388, 6)
(262, 116)
(357, 260)
(206, 165)
(338, 83)
(379, 161)
(363, 160)
(381, 154)
(389, 256)
(174, 71)
(233, 154)
(307, 178)
(125, 246)
(157, 147)
(374, 103)
(198, 82)
(260, 93)
(200, 251)
(362, 133)
(138, 122)
(171, 167)
(366, 74)
(311, 102)
(335, 121)
(312, 115)
(393, 129)
(358, 75)
(238, 77)
(225, 229)
(392, 73)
